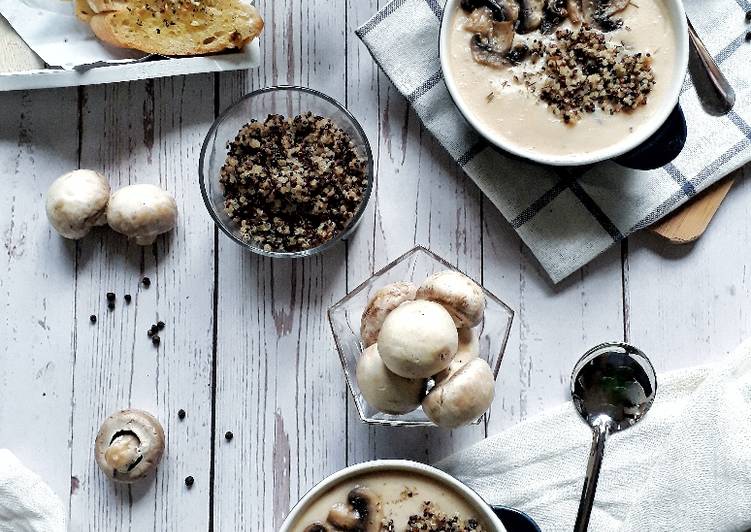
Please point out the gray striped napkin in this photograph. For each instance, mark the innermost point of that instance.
(567, 222)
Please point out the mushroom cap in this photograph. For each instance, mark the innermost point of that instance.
(384, 390)
(76, 202)
(490, 49)
(129, 445)
(469, 349)
(362, 513)
(316, 527)
(462, 297)
(463, 398)
(142, 212)
(418, 339)
(381, 303)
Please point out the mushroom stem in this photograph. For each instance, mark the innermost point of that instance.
(123, 452)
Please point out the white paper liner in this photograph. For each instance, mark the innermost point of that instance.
(52, 30)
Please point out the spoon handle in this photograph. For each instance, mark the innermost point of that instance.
(724, 93)
(593, 473)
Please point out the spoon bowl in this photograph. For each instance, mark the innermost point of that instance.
(613, 386)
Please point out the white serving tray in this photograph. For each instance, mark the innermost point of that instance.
(21, 68)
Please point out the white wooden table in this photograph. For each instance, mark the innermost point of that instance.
(247, 347)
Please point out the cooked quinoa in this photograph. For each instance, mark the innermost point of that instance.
(583, 72)
(291, 184)
(433, 520)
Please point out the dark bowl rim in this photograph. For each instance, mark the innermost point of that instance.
(347, 232)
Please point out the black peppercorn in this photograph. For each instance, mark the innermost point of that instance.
(189, 481)
(153, 330)
(92, 318)
(127, 298)
(146, 282)
(228, 435)
(110, 296)
(156, 340)
(181, 414)
(160, 325)
(111, 305)
(748, 37)
(748, 16)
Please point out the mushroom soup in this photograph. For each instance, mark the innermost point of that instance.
(562, 77)
(390, 501)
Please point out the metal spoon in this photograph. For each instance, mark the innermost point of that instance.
(715, 92)
(613, 386)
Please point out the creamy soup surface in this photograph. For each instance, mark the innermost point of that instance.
(401, 495)
(505, 106)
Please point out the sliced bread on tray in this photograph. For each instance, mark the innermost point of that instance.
(175, 27)
(83, 10)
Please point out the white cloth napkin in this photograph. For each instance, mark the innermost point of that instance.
(27, 504)
(568, 222)
(686, 467)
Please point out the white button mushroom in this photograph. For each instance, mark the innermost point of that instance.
(362, 513)
(469, 349)
(129, 445)
(142, 212)
(383, 390)
(418, 339)
(463, 398)
(383, 301)
(462, 297)
(76, 202)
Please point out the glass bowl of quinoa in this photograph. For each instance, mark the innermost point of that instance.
(286, 172)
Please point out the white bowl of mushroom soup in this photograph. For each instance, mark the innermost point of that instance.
(565, 82)
(374, 495)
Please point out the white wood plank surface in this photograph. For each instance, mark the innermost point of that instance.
(37, 285)
(247, 347)
(146, 132)
(689, 305)
(275, 353)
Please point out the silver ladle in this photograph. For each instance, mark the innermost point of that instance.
(613, 386)
(715, 93)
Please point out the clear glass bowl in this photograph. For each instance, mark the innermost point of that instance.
(287, 101)
(415, 266)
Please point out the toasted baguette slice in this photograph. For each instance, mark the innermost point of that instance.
(178, 27)
(100, 6)
(83, 10)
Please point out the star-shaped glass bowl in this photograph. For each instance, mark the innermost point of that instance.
(415, 266)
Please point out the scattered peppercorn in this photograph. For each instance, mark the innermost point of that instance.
(748, 16)
(127, 298)
(92, 318)
(146, 282)
(160, 325)
(110, 296)
(189, 481)
(181, 414)
(156, 340)
(111, 305)
(748, 37)
(228, 435)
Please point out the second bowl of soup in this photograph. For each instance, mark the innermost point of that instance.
(391, 495)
